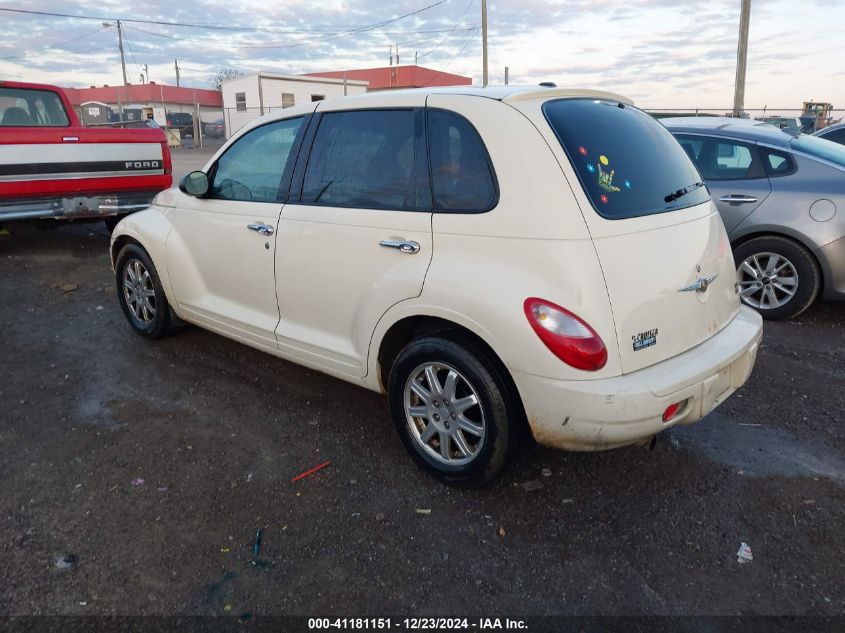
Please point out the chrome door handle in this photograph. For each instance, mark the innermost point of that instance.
(264, 229)
(408, 247)
(737, 198)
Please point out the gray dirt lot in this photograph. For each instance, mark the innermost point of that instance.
(217, 430)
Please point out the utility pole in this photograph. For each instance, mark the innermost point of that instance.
(741, 58)
(147, 73)
(484, 42)
(397, 54)
(120, 46)
(416, 58)
(176, 65)
(506, 75)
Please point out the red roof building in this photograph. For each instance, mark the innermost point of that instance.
(394, 77)
(151, 93)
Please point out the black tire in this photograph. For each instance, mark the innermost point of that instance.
(806, 269)
(160, 322)
(502, 412)
(111, 222)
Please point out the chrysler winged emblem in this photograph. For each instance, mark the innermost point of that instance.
(699, 285)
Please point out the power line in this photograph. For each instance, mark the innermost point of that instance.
(446, 37)
(56, 45)
(220, 27)
(467, 42)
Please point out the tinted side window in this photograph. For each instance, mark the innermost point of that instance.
(722, 159)
(252, 168)
(460, 169)
(372, 159)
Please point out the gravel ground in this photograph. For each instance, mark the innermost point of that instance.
(135, 475)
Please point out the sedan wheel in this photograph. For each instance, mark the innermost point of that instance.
(767, 280)
(776, 276)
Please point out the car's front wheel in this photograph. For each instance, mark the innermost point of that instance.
(453, 409)
(777, 276)
(140, 292)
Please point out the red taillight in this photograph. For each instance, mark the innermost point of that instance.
(566, 335)
(165, 155)
(670, 411)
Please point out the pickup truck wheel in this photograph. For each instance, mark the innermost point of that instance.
(451, 410)
(112, 221)
(140, 293)
(777, 277)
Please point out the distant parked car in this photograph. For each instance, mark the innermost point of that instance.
(783, 122)
(835, 133)
(214, 129)
(778, 193)
(397, 241)
(183, 121)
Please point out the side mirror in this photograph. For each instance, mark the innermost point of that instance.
(194, 184)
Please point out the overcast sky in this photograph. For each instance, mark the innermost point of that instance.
(663, 53)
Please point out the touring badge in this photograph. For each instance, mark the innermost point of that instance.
(644, 339)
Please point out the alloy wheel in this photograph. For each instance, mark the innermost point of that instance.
(138, 291)
(767, 280)
(444, 413)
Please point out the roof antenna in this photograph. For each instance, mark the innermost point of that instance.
(548, 84)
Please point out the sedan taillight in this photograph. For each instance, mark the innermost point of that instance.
(567, 336)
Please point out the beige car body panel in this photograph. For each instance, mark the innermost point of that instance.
(338, 293)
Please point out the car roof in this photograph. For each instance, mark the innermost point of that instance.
(502, 93)
(743, 129)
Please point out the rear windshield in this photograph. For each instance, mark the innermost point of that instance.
(820, 148)
(628, 163)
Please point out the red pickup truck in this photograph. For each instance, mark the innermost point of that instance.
(53, 167)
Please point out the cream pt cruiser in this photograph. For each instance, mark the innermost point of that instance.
(491, 259)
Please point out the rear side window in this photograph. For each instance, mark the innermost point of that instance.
(20, 107)
(629, 164)
(371, 159)
(461, 176)
(777, 163)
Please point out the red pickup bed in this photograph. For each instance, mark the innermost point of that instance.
(53, 167)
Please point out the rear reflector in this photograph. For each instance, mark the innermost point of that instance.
(567, 336)
(670, 411)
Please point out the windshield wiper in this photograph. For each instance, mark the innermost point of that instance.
(682, 192)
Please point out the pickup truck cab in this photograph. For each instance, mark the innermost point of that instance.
(51, 167)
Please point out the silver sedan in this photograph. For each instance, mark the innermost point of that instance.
(782, 198)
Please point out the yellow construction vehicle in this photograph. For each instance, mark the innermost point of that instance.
(819, 110)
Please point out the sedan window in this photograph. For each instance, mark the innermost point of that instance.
(252, 168)
(722, 159)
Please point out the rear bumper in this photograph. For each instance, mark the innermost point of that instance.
(601, 414)
(75, 207)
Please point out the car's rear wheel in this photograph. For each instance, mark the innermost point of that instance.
(777, 277)
(453, 410)
(140, 292)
